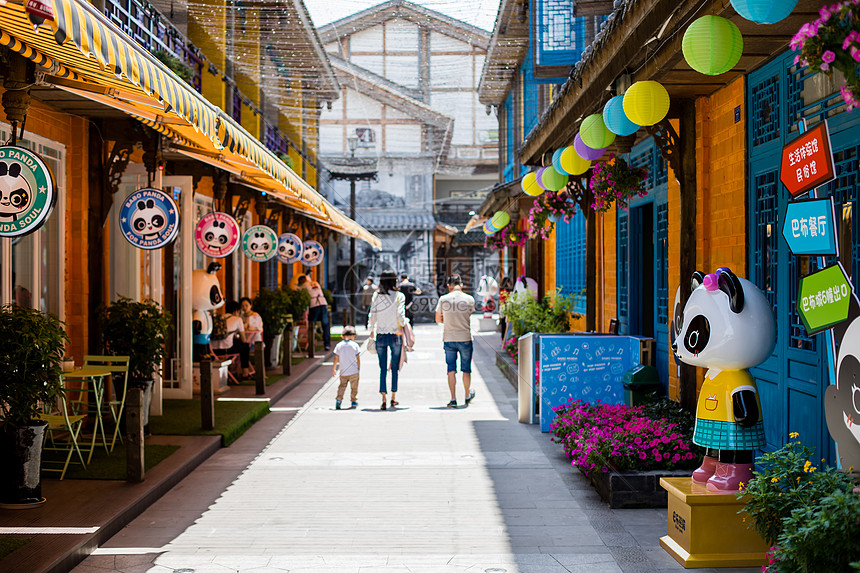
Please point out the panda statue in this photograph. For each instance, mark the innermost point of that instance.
(842, 399)
(488, 288)
(727, 326)
(205, 296)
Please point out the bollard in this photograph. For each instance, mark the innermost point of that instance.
(345, 318)
(134, 455)
(312, 337)
(260, 367)
(207, 395)
(288, 349)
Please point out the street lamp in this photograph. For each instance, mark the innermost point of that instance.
(352, 143)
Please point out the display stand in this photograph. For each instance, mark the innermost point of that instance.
(705, 529)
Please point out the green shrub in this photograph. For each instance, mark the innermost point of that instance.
(274, 305)
(138, 330)
(549, 315)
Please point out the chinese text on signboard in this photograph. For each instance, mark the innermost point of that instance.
(807, 161)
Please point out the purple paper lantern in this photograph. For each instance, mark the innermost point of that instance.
(539, 177)
(586, 152)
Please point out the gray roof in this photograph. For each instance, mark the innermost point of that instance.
(395, 221)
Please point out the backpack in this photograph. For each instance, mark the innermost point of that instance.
(219, 327)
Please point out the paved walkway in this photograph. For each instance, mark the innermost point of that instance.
(422, 488)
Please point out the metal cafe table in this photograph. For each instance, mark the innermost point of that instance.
(92, 386)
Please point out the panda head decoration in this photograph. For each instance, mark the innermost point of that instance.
(311, 253)
(727, 323)
(286, 250)
(259, 243)
(15, 193)
(216, 235)
(148, 219)
(206, 290)
(842, 400)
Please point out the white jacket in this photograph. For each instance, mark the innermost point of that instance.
(387, 312)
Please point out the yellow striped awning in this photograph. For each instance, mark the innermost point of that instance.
(82, 52)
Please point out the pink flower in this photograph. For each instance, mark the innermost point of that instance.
(828, 56)
(824, 67)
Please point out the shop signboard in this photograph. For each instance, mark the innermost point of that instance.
(289, 248)
(312, 253)
(27, 191)
(217, 235)
(149, 219)
(259, 243)
(823, 298)
(809, 227)
(807, 162)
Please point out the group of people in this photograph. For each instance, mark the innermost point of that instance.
(244, 328)
(390, 329)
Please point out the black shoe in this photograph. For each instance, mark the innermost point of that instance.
(470, 397)
(384, 406)
(337, 404)
(452, 404)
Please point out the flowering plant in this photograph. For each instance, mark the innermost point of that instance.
(550, 208)
(615, 180)
(504, 238)
(512, 347)
(600, 437)
(832, 41)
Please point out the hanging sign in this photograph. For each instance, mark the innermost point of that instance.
(149, 219)
(312, 254)
(823, 298)
(807, 162)
(289, 248)
(27, 192)
(217, 235)
(259, 243)
(809, 227)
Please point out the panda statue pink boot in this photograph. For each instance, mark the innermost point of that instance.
(730, 478)
(706, 470)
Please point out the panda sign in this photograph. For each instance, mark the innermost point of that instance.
(217, 235)
(149, 219)
(27, 191)
(259, 243)
(313, 254)
(289, 248)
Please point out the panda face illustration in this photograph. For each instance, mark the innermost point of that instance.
(310, 254)
(259, 244)
(148, 220)
(286, 250)
(216, 236)
(15, 193)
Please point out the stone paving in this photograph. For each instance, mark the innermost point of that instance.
(421, 488)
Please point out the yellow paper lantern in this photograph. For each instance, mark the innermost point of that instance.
(594, 132)
(712, 45)
(572, 163)
(501, 219)
(530, 185)
(646, 103)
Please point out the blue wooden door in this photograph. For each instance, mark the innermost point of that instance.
(792, 381)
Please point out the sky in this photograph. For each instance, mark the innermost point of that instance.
(480, 13)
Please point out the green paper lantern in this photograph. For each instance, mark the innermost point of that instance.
(646, 103)
(594, 132)
(501, 219)
(712, 45)
(553, 180)
(530, 185)
(572, 163)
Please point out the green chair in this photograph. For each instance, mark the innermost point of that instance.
(60, 423)
(116, 365)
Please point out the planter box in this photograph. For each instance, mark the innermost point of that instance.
(634, 489)
(508, 367)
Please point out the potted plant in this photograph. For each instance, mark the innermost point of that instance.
(614, 181)
(547, 210)
(275, 306)
(31, 367)
(137, 329)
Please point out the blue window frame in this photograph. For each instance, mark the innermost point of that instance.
(570, 256)
(557, 35)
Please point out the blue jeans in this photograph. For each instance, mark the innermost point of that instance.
(383, 343)
(464, 349)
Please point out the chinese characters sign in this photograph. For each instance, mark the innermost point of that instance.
(823, 298)
(809, 227)
(807, 162)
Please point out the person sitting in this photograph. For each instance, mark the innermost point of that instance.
(253, 322)
(235, 341)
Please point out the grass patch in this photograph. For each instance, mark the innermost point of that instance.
(270, 379)
(182, 418)
(10, 543)
(104, 465)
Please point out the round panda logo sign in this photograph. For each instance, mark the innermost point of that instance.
(149, 219)
(27, 191)
(289, 248)
(313, 254)
(259, 243)
(217, 235)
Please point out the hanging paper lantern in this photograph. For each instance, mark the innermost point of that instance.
(764, 11)
(594, 133)
(572, 163)
(552, 180)
(539, 177)
(615, 119)
(489, 228)
(646, 103)
(712, 45)
(586, 152)
(501, 219)
(530, 185)
(556, 160)
(486, 231)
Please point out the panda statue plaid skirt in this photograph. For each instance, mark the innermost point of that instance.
(715, 418)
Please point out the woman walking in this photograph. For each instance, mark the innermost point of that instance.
(387, 317)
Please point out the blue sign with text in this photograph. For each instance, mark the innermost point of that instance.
(588, 367)
(809, 227)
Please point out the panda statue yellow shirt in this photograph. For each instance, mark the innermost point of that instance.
(716, 426)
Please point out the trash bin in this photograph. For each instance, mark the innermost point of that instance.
(641, 385)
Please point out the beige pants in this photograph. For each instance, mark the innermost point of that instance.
(352, 380)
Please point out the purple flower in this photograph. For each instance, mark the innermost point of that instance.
(824, 67)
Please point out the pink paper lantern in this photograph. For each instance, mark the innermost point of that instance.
(587, 152)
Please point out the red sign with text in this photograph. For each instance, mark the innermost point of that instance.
(807, 162)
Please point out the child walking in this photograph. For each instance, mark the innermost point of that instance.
(346, 353)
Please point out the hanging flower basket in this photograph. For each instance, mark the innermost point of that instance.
(507, 237)
(547, 210)
(616, 181)
(832, 42)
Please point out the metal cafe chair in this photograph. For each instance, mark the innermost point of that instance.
(116, 365)
(61, 424)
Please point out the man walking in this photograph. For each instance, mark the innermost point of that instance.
(454, 311)
(410, 291)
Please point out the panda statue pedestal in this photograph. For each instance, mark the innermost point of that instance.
(705, 530)
(486, 324)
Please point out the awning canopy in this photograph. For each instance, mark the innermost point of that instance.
(81, 52)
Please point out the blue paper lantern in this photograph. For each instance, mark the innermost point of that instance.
(616, 120)
(556, 160)
(764, 11)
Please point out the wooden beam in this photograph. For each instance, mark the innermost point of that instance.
(687, 262)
